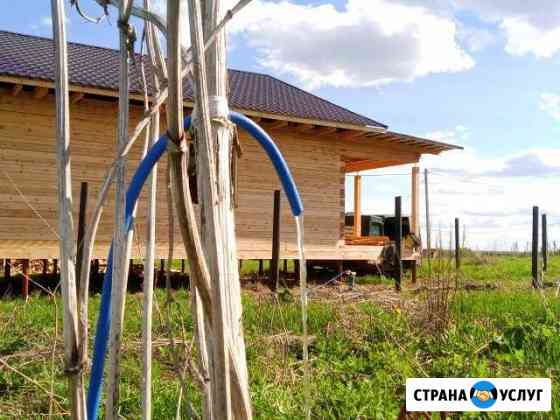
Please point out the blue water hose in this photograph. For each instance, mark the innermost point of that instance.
(132, 194)
(276, 158)
(104, 320)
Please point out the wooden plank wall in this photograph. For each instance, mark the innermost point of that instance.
(27, 127)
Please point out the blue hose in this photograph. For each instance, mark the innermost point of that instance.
(132, 194)
(104, 320)
(275, 156)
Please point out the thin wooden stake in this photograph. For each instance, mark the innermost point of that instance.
(398, 242)
(72, 356)
(7, 269)
(25, 280)
(274, 262)
(457, 246)
(81, 233)
(544, 244)
(535, 248)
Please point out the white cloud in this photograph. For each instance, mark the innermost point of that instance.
(457, 135)
(530, 27)
(367, 43)
(476, 39)
(550, 103)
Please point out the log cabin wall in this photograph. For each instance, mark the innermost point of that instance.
(27, 150)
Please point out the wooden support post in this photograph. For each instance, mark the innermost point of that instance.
(274, 266)
(240, 265)
(285, 266)
(25, 283)
(428, 224)
(457, 245)
(161, 274)
(7, 269)
(535, 248)
(45, 267)
(357, 206)
(414, 202)
(261, 268)
(544, 243)
(414, 272)
(55, 266)
(339, 266)
(183, 265)
(81, 230)
(296, 269)
(398, 243)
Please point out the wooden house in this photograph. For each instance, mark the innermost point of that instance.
(322, 142)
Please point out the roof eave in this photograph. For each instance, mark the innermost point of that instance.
(93, 90)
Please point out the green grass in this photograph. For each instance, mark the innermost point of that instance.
(361, 354)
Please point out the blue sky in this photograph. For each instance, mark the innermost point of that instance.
(481, 73)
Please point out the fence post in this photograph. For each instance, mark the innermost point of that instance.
(398, 242)
(261, 268)
(274, 263)
(457, 245)
(544, 243)
(25, 284)
(7, 269)
(81, 230)
(535, 248)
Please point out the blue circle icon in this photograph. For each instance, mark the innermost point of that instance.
(483, 394)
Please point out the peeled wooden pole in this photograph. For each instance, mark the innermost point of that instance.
(72, 357)
(120, 260)
(149, 261)
(357, 206)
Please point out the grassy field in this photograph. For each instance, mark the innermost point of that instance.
(366, 343)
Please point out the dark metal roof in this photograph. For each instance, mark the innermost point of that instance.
(32, 57)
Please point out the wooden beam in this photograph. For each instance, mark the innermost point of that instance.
(277, 124)
(363, 165)
(40, 92)
(351, 134)
(76, 97)
(16, 89)
(357, 206)
(325, 130)
(305, 128)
